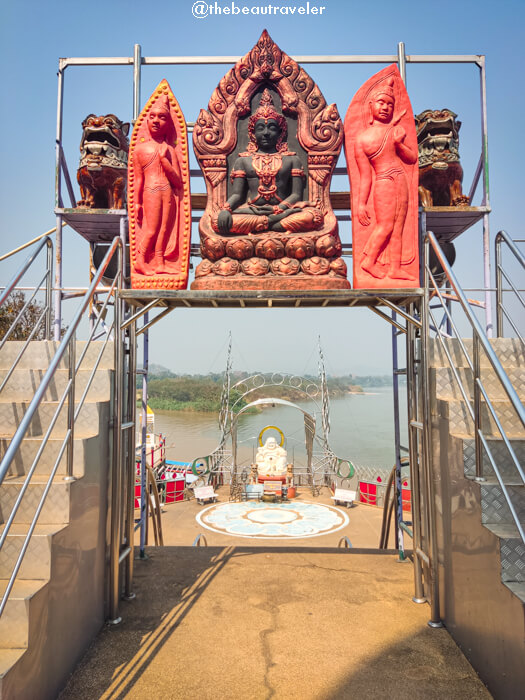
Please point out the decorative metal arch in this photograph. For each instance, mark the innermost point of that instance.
(311, 389)
(309, 430)
(322, 468)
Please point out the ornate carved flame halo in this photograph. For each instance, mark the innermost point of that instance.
(267, 111)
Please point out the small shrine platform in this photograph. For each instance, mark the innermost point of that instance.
(95, 225)
(447, 223)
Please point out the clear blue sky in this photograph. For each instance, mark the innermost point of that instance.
(35, 34)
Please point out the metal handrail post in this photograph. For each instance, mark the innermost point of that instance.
(71, 409)
(49, 289)
(414, 460)
(487, 276)
(435, 620)
(503, 237)
(476, 376)
(499, 287)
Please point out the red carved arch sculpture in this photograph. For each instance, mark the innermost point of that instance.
(267, 146)
(159, 203)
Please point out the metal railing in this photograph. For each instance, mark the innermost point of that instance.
(119, 491)
(501, 311)
(43, 322)
(425, 525)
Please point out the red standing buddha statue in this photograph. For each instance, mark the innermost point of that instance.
(382, 156)
(158, 185)
(159, 197)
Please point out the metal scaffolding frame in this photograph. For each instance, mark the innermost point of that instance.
(459, 220)
(405, 308)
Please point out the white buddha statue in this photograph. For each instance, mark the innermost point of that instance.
(271, 459)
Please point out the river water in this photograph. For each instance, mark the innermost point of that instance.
(362, 429)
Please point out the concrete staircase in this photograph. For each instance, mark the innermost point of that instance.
(57, 603)
(481, 554)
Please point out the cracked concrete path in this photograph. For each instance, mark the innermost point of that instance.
(261, 623)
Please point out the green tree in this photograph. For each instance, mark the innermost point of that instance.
(10, 309)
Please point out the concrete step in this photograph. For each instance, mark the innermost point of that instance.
(512, 552)
(501, 456)
(14, 623)
(508, 350)
(461, 423)
(36, 563)
(56, 507)
(23, 384)
(39, 353)
(8, 659)
(11, 414)
(28, 450)
(446, 386)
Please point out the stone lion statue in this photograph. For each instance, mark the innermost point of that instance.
(440, 172)
(103, 169)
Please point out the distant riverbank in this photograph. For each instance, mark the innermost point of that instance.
(202, 393)
(361, 429)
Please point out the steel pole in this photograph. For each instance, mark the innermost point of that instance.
(401, 61)
(435, 620)
(116, 480)
(414, 458)
(487, 276)
(486, 197)
(71, 410)
(130, 462)
(499, 288)
(137, 66)
(399, 539)
(144, 418)
(49, 289)
(476, 362)
(57, 323)
(58, 203)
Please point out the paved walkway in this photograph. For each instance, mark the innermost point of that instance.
(259, 623)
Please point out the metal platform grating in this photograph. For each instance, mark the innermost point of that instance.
(95, 225)
(270, 298)
(447, 223)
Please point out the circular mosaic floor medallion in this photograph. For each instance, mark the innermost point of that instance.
(272, 520)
